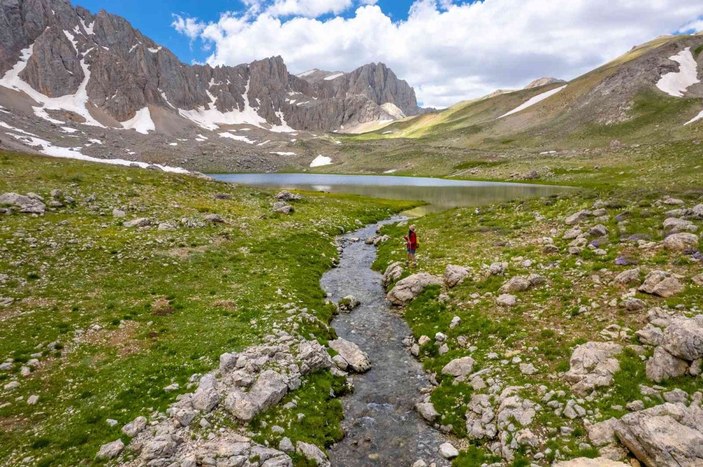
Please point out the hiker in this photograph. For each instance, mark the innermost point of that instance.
(411, 244)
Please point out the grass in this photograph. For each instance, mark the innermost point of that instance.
(131, 311)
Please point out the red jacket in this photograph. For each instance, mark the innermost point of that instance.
(411, 240)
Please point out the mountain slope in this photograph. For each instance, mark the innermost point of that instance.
(620, 100)
(63, 67)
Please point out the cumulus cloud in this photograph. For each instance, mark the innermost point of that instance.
(448, 51)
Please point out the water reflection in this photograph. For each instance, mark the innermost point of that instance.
(440, 194)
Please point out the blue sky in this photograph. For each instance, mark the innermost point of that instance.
(154, 18)
(448, 50)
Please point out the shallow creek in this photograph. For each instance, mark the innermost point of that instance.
(381, 425)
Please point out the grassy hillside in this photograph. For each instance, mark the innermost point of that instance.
(104, 317)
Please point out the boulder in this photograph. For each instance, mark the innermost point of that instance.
(631, 276)
(666, 435)
(602, 433)
(407, 289)
(662, 366)
(313, 454)
(282, 207)
(506, 300)
(455, 275)
(139, 222)
(110, 450)
(214, 219)
(459, 368)
(206, 397)
(682, 241)
(352, 354)
(497, 268)
(427, 411)
(287, 196)
(683, 338)
(134, 427)
(347, 304)
(676, 225)
(516, 284)
(448, 451)
(392, 273)
(29, 204)
(592, 365)
(268, 389)
(662, 284)
(577, 217)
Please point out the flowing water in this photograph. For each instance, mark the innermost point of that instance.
(382, 428)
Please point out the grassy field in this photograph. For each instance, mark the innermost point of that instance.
(577, 303)
(104, 317)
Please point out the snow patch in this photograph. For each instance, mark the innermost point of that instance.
(68, 129)
(244, 139)
(154, 50)
(320, 161)
(141, 122)
(675, 83)
(75, 103)
(306, 73)
(535, 100)
(281, 153)
(10, 127)
(334, 76)
(695, 119)
(391, 171)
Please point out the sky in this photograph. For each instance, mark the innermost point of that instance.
(448, 50)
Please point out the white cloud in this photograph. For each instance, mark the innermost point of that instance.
(447, 51)
(189, 27)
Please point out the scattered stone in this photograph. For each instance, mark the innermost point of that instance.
(410, 287)
(516, 284)
(118, 213)
(527, 369)
(313, 454)
(32, 400)
(589, 462)
(448, 451)
(352, 354)
(498, 268)
(282, 207)
(459, 368)
(110, 450)
(347, 304)
(138, 223)
(634, 304)
(675, 225)
(455, 275)
(506, 300)
(392, 273)
(662, 366)
(134, 427)
(592, 365)
(427, 411)
(662, 284)
(683, 242)
(29, 204)
(214, 219)
(577, 217)
(286, 445)
(288, 196)
(628, 277)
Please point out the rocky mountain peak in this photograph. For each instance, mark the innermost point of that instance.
(543, 82)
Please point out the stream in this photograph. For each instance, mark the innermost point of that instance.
(381, 424)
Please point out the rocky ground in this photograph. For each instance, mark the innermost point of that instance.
(560, 328)
(152, 318)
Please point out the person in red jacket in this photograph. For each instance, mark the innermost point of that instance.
(411, 244)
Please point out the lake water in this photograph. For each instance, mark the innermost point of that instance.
(438, 193)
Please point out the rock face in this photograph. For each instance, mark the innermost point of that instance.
(665, 435)
(124, 72)
(410, 287)
(593, 365)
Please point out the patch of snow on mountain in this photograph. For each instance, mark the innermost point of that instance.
(244, 139)
(320, 161)
(675, 83)
(154, 50)
(141, 122)
(18, 130)
(283, 127)
(695, 119)
(88, 28)
(393, 110)
(306, 73)
(68, 129)
(535, 100)
(281, 153)
(334, 76)
(264, 142)
(210, 119)
(75, 103)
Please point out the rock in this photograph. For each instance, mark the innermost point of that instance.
(313, 454)
(287, 196)
(592, 365)
(676, 225)
(392, 273)
(498, 268)
(30, 204)
(602, 433)
(662, 366)
(661, 283)
(683, 338)
(410, 287)
(164, 226)
(631, 276)
(665, 435)
(214, 219)
(527, 369)
(282, 208)
(506, 300)
(683, 242)
(268, 389)
(698, 280)
(516, 284)
(590, 462)
(158, 447)
(33, 400)
(459, 368)
(228, 361)
(651, 335)
(110, 450)
(456, 321)
(354, 356)
(118, 213)
(286, 445)
(676, 396)
(347, 304)
(427, 411)
(455, 275)
(206, 397)
(448, 451)
(577, 217)
(139, 222)
(134, 427)
(572, 233)
(634, 304)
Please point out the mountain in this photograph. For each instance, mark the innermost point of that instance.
(66, 67)
(652, 93)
